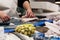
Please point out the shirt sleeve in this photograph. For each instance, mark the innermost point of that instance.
(20, 3)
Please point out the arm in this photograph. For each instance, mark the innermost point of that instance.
(29, 13)
(26, 5)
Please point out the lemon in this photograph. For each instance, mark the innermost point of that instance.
(26, 29)
(25, 33)
(19, 30)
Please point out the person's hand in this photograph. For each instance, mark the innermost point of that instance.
(29, 14)
(4, 17)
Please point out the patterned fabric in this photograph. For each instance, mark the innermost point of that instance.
(21, 10)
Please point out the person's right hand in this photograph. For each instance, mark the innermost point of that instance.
(4, 17)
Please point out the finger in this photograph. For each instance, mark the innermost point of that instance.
(30, 15)
(3, 19)
(33, 15)
(8, 18)
(27, 14)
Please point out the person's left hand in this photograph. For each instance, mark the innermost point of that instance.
(29, 14)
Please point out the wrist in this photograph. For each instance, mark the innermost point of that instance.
(29, 9)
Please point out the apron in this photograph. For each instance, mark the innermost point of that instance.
(9, 7)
